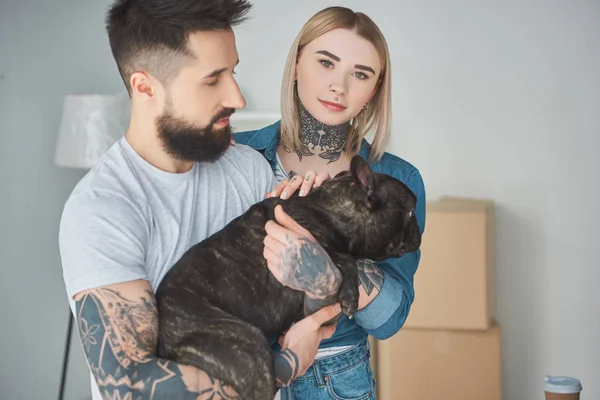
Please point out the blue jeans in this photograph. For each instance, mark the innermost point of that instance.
(342, 376)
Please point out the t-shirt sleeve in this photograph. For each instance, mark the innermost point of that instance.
(102, 241)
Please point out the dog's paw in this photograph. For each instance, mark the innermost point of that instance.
(348, 298)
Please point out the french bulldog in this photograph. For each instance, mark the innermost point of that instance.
(219, 304)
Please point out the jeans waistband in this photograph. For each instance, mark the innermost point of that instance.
(338, 362)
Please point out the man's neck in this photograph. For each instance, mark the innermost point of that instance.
(143, 138)
(326, 141)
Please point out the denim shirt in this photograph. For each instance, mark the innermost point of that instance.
(386, 314)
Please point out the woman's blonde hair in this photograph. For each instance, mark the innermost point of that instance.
(375, 120)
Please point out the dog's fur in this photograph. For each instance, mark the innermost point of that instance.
(219, 303)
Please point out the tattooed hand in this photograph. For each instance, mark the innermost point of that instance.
(301, 343)
(296, 259)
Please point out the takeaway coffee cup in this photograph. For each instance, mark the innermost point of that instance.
(562, 388)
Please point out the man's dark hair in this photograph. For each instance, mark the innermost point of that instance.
(152, 35)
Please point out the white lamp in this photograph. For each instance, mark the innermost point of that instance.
(90, 124)
(243, 120)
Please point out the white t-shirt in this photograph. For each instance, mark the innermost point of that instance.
(127, 220)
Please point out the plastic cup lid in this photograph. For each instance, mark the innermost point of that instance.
(562, 384)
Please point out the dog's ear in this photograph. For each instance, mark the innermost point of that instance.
(363, 175)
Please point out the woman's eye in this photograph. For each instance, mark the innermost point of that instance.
(326, 63)
(212, 83)
(361, 75)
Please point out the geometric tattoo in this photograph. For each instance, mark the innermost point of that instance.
(370, 276)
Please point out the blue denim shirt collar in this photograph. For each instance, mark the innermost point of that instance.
(266, 140)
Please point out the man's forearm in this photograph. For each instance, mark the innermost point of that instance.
(162, 379)
(119, 337)
(286, 367)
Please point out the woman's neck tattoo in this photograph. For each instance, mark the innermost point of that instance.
(316, 138)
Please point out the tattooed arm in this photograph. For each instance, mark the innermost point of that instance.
(118, 325)
(370, 282)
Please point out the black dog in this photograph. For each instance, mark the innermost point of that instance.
(219, 303)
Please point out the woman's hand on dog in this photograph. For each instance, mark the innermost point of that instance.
(306, 183)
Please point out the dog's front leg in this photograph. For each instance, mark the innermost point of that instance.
(348, 292)
(311, 306)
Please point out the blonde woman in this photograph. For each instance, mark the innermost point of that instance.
(335, 92)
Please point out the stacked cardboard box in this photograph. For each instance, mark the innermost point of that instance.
(450, 345)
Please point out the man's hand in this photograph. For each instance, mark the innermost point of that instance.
(286, 187)
(296, 259)
(301, 343)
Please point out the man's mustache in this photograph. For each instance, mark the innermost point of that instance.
(226, 113)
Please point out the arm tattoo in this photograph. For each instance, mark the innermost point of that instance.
(370, 276)
(119, 338)
(286, 367)
(310, 269)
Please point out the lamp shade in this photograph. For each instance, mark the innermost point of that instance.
(251, 120)
(90, 124)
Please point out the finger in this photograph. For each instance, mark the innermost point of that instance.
(274, 245)
(326, 332)
(326, 313)
(321, 178)
(272, 263)
(278, 232)
(232, 142)
(279, 188)
(291, 187)
(307, 184)
(289, 223)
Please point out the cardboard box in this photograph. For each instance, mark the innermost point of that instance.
(454, 284)
(431, 364)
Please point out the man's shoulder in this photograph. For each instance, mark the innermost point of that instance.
(249, 169)
(110, 183)
(245, 157)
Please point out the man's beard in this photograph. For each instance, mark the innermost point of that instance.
(186, 142)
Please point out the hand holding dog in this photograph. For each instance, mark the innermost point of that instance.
(296, 259)
(301, 342)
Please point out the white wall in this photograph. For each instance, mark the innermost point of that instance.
(497, 100)
(47, 49)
